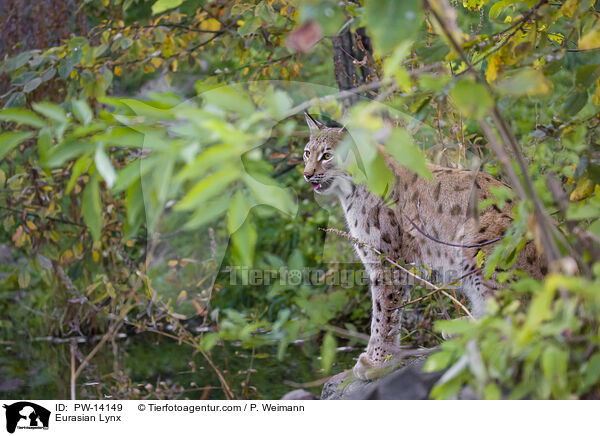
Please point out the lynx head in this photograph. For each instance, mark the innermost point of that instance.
(320, 169)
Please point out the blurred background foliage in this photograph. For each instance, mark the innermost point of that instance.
(150, 159)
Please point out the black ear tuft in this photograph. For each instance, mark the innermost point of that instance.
(313, 124)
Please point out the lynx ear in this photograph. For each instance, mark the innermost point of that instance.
(313, 124)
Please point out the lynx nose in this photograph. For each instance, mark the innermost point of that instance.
(308, 175)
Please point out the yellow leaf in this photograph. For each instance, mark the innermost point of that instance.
(492, 69)
(182, 296)
(2, 178)
(129, 243)
(118, 71)
(31, 225)
(595, 97)
(174, 65)
(591, 39)
(66, 256)
(156, 62)
(210, 24)
(584, 189)
(569, 7)
(168, 47)
(95, 256)
(199, 308)
(173, 262)
(508, 19)
(556, 37)
(110, 290)
(481, 257)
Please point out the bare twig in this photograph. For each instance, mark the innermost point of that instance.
(439, 241)
(226, 389)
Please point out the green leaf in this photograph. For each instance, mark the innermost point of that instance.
(392, 22)
(22, 116)
(525, 82)
(44, 144)
(554, 367)
(66, 67)
(18, 61)
(212, 211)
(122, 136)
(104, 167)
(586, 76)
(92, 207)
(591, 371)
(250, 25)
(164, 5)
(266, 192)
(471, 99)
(438, 361)
(402, 148)
(380, 178)
(243, 232)
(9, 140)
(208, 159)
(134, 171)
(492, 392)
(82, 111)
(16, 99)
(575, 102)
(230, 99)
(328, 350)
(238, 211)
(32, 84)
(51, 111)
(208, 341)
(79, 167)
(208, 188)
(64, 152)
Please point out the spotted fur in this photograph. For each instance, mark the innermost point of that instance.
(440, 207)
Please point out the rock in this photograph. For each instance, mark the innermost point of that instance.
(299, 394)
(406, 383)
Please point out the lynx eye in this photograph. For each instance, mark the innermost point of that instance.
(306, 154)
(327, 156)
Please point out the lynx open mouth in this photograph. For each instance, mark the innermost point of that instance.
(321, 186)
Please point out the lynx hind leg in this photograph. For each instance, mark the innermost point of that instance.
(385, 327)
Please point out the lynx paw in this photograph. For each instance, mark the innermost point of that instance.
(369, 369)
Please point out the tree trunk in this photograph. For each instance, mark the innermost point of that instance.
(353, 62)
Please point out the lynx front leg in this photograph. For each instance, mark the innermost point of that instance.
(385, 325)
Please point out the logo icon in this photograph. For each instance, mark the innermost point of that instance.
(26, 415)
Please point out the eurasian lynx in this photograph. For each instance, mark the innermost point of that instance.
(428, 223)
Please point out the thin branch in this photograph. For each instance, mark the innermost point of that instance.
(371, 86)
(156, 26)
(439, 241)
(30, 213)
(226, 389)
